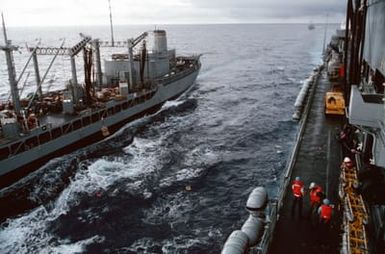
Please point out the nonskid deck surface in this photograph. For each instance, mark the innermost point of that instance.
(318, 160)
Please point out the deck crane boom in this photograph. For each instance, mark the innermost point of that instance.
(72, 52)
(131, 44)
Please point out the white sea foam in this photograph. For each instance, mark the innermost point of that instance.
(29, 233)
(178, 243)
(202, 155)
(181, 175)
(196, 161)
(142, 245)
(168, 210)
(173, 245)
(77, 247)
(173, 103)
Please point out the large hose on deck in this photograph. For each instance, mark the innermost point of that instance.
(300, 102)
(252, 230)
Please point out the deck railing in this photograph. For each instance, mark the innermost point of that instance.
(23, 145)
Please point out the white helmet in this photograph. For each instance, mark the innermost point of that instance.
(312, 185)
(326, 201)
(347, 159)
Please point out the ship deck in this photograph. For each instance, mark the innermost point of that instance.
(56, 119)
(318, 160)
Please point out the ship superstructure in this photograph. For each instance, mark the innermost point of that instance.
(42, 126)
(365, 80)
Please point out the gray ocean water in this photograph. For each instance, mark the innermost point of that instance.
(232, 132)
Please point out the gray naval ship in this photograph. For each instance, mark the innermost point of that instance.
(342, 153)
(36, 129)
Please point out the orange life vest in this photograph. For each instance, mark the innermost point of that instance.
(315, 195)
(326, 212)
(297, 188)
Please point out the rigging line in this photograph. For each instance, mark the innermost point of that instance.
(25, 67)
(45, 75)
(25, 83)
(27, 63)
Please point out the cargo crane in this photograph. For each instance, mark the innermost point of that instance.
(72, 52)
(131, 44)
(117, 44)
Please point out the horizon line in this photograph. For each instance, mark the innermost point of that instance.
(180, 24)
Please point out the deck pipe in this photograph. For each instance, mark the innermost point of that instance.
(241, 240)
(99, 74)
(302, 95)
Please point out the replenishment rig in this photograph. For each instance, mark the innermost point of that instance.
(42, 126)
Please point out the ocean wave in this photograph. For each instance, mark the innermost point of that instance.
(28, 234)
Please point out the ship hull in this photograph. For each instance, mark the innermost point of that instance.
(19, 165)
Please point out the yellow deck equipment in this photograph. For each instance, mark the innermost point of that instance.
(334, 103)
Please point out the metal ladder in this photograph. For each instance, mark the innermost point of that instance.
(355, 213)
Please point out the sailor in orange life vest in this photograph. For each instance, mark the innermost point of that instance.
(347, 163)
(325, 212)
(316, 195)
(298, 192)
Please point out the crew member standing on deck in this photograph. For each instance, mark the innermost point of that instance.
(347, 163)
(325, 212)
(316, 195)
(298, 192)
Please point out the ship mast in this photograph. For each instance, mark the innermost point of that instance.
(8, 49)
(112, 29)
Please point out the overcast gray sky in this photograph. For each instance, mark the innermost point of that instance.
(95, 12)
